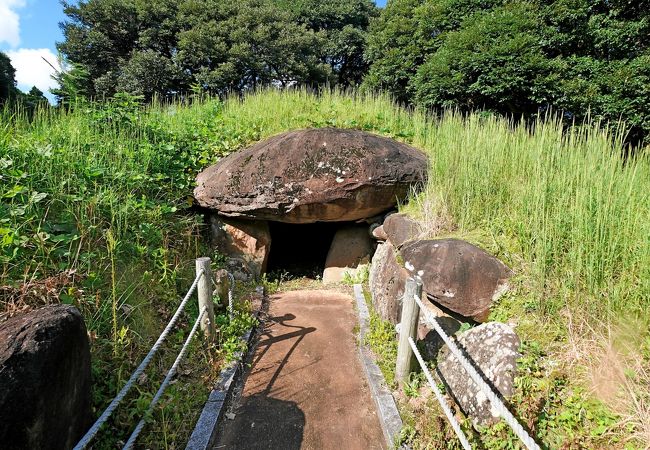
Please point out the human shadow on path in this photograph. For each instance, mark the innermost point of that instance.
(261, 421)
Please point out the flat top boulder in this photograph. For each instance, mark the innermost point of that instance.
(313, 175)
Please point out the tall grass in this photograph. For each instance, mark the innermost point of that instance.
(576, 208)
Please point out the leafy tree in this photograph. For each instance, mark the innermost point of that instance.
(102, 37)
(517, 57)
(170, 47)
(233, 45)
(396, 48)
(343, 25)
(7, 79)
(35, 99)
(495, 61)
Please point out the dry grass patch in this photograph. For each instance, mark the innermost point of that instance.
(614, 360)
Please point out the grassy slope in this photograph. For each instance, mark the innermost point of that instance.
(566, 212)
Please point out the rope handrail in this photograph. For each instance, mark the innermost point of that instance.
(170, 374)
(92, 432)
(503, 411)
(445, 407)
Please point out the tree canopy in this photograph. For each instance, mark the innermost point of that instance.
(7, 78)
(170, 47)
(517, 57)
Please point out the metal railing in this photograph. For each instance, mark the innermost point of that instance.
(411, 308)
(203, 285)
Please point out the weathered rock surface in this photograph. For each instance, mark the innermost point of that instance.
(387, 280)
(247, 240)
(44, 379)
(379, 233)
(351, 248)
(430, 341)
(457, 275)
(312, 175)
(494, 348)
(400, 228)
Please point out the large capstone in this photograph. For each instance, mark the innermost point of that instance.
(306, 176)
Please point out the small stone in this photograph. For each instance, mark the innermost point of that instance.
(379, 233)
(400, 229)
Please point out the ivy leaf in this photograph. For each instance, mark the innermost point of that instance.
(37, 197)
(14, 191)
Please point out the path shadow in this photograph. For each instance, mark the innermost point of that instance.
(265, 422)
(262, 421)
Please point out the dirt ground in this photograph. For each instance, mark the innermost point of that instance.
(305, 388)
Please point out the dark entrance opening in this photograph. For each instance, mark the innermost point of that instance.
(300, 250)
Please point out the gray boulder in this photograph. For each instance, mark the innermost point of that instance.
(45, 380)
(351, 249)
(400, 228)
(387, 279)
(494, 348)
(246, 240)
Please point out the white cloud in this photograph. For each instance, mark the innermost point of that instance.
(10, 21)
(31, 70)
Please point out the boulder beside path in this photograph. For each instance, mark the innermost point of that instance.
(45, 400)
(493, 347)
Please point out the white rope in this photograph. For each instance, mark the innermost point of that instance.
(92, 432)
(528, 441)
(138, 428)
(445, 407)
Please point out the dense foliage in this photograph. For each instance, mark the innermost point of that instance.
(7, 78)
(216, 46)
(584, 57)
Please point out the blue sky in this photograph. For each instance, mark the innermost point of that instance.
(29, 30)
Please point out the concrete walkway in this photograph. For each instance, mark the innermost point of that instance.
(306, 388)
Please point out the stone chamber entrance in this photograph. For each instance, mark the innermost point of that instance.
(300, 250)
(320, 250)
(302, 202)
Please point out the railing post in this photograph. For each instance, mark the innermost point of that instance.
(408, 328)
(204, 292)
